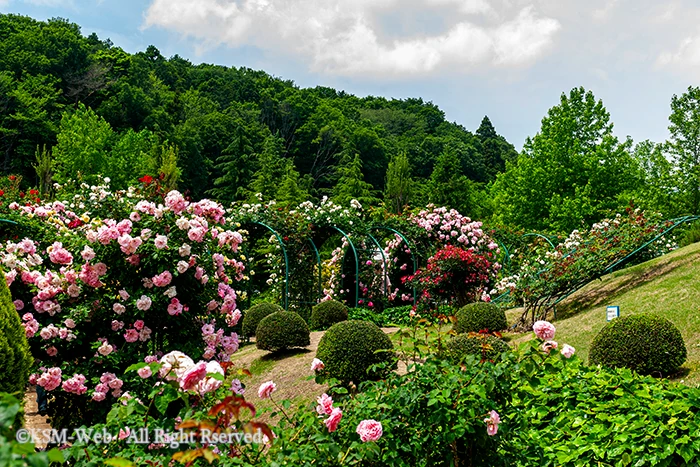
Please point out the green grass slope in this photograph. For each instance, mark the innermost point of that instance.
(668, 286)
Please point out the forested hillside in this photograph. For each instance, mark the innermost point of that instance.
(74, 107)
(235, 131)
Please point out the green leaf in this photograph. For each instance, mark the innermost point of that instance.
(55, 455)
(135, 367)
(119, 462)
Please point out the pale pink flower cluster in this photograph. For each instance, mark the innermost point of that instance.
(317, 365)
(325, 407)
(75, 385)
(58, 254)
(215, 338)
(31, 326)
(50, 379)
(108, 382)
(163, 279)
(369, 430)
(105, 349)
(143, 303)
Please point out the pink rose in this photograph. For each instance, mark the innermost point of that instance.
(161, 241)
(70, 324)
(175, 307)
(208, 384)
(99, 396)
(132, 335)
(492, 423)
(549, 345)
(118, 308)
(325, 404)
(162, 279)
(105, 349)
(19, 305)
(369, 430)
(567, 351)
(193, 375)
(59, 255)
(143, 303)
(544, 330)
(117, 325)
(52, 351)
(145, 372)
(266, 390)
(123, 434)
(317, 364)
(139, 324)
(333, 420)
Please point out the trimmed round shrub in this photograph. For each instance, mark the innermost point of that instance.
(254, 314)
(479, 316)
(326, 314)
(15, 358)
(646, 343)
(485, 346)
(282, 330)
(349, 348)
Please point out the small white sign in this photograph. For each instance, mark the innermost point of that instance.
(613, 312)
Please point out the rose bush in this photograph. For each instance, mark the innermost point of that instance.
(121, 276)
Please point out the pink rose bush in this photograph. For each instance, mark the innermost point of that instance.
(127, 271)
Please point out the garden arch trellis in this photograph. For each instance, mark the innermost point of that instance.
(355, 238)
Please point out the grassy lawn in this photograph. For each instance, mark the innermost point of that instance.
(668, 286)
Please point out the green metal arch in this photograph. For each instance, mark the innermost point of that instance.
(319, 288)
(381, 250)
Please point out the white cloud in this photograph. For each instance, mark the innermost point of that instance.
(343, 37)
(686, 55)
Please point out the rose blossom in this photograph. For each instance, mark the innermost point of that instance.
(209, 384)
(544, 330)
(117, 325)
(325, 404)
(52, 351)
(132, 335)
(123, 434)
(317, 364)
(369, 430)
(567, 351)
(143, 303)
(70, 324)
(193, 375)
(237, 387)
(99, 396)
(162, 279)
(549, 345)
(139, 324)
(492, 423)
(105, 349)
(161, 241)
(118, 308)
(175, 307)
(266, 390)
(174, 365)
(333, 419)
(19, 305)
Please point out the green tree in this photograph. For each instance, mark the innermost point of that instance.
(44, 168)
(399, 184)
(168, 167)
(234, 167)
(272, 168)
(573, 172)
(448, 186)
(293, 190)
(658, 190)
(84, 142)
(495, 150)
(684, 144)
(351, 184)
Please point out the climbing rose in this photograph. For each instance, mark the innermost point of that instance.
(544, 330)
(567, 351)
(144, 372)
(492, 423)
(369, 430)
(333, 420)
(266, 389)
(193, 376)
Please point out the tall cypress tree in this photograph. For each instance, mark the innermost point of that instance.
(399, 184)
(351, 184)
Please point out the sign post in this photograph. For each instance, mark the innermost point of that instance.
(613, 312)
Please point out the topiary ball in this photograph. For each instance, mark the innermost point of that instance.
(646, 343)
(15, 358)
(478, 316)
(349, 348)
(484, 346)
(252, 317)
(282, 330)
(326, 314)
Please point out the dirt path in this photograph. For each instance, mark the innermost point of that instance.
(291, 371)
(32, 419)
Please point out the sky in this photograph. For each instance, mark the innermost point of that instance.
(508, 59)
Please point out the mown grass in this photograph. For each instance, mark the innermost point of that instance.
(668, 286)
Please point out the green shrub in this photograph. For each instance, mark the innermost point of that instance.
(692, 235)
(254, 314)
(282, 330)
(326, 314)
(349, 348)
(646, 343)
(478, 316)
(484, 346)
(15, 358)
